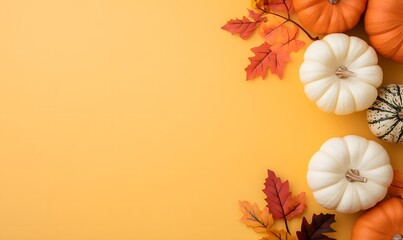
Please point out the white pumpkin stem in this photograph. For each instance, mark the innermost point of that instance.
(334, 1)
(342, 72)
(401, 114)
(397, 237)
(353, 175)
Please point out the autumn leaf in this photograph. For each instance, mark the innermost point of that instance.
(287, 39)
(278, 235)
(260, 4)
(274, 33)
(264, 60)
(245, 27)
(276, 5)
(281, 6)
(320, 225)
(396, 188)
(279, 199)
(259, 220)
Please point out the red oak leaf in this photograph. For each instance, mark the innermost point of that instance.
(315, 230)
(279, 200)
(288, 41)
(265, 59)
(396, 188)
(244, 27)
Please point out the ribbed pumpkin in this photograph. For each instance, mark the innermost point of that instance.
(382, 222)
(341, 74)
(384, 25)
(385, 116)
(349, 174)
(329, 16)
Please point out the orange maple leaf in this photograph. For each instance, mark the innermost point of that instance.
(275, 33)
(288, 41)
(279, 235)
(396, 188)
(276, 5)
(253, 217)
(244, 27)
(265, 59)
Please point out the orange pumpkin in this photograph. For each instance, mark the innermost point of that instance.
(329, 16)
(382, 222)
(384, 25)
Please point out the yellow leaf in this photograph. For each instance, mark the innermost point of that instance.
(279, 235)
(253, 217)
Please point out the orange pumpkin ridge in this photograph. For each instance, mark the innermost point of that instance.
(382, 222)
(329, 16)
(384, 26)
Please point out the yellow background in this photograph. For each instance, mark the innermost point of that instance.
(128, 119)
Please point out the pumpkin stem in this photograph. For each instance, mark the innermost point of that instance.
(353, 175)
(401, 114)
(334, 1)
(397, 237)
(343, 73)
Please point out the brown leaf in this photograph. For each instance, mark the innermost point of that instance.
(278, 235)
(253, 217)
(319, 226)
(396, 188)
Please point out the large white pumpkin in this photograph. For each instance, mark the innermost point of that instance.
(349, 174)
(341, 74)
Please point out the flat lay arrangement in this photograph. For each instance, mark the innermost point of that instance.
(341, 75)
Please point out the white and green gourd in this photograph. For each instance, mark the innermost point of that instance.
(385, 116)
(349, 174)
(341, 74)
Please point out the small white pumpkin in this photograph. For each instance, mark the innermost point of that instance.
(385, 116)
(341, 74)
(349, 174)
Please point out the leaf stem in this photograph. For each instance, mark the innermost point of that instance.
(288, 19)
(286, 225)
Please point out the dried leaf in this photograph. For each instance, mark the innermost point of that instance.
(279, 199)
(259, 220)
(244, 27)
(279, 235)
(396, 188)
(265, 59)
(315, 230)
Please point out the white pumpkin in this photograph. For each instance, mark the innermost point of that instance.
(385, 116)
(349, 174)
(341, 74)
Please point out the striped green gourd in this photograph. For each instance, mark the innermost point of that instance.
(385, 116)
